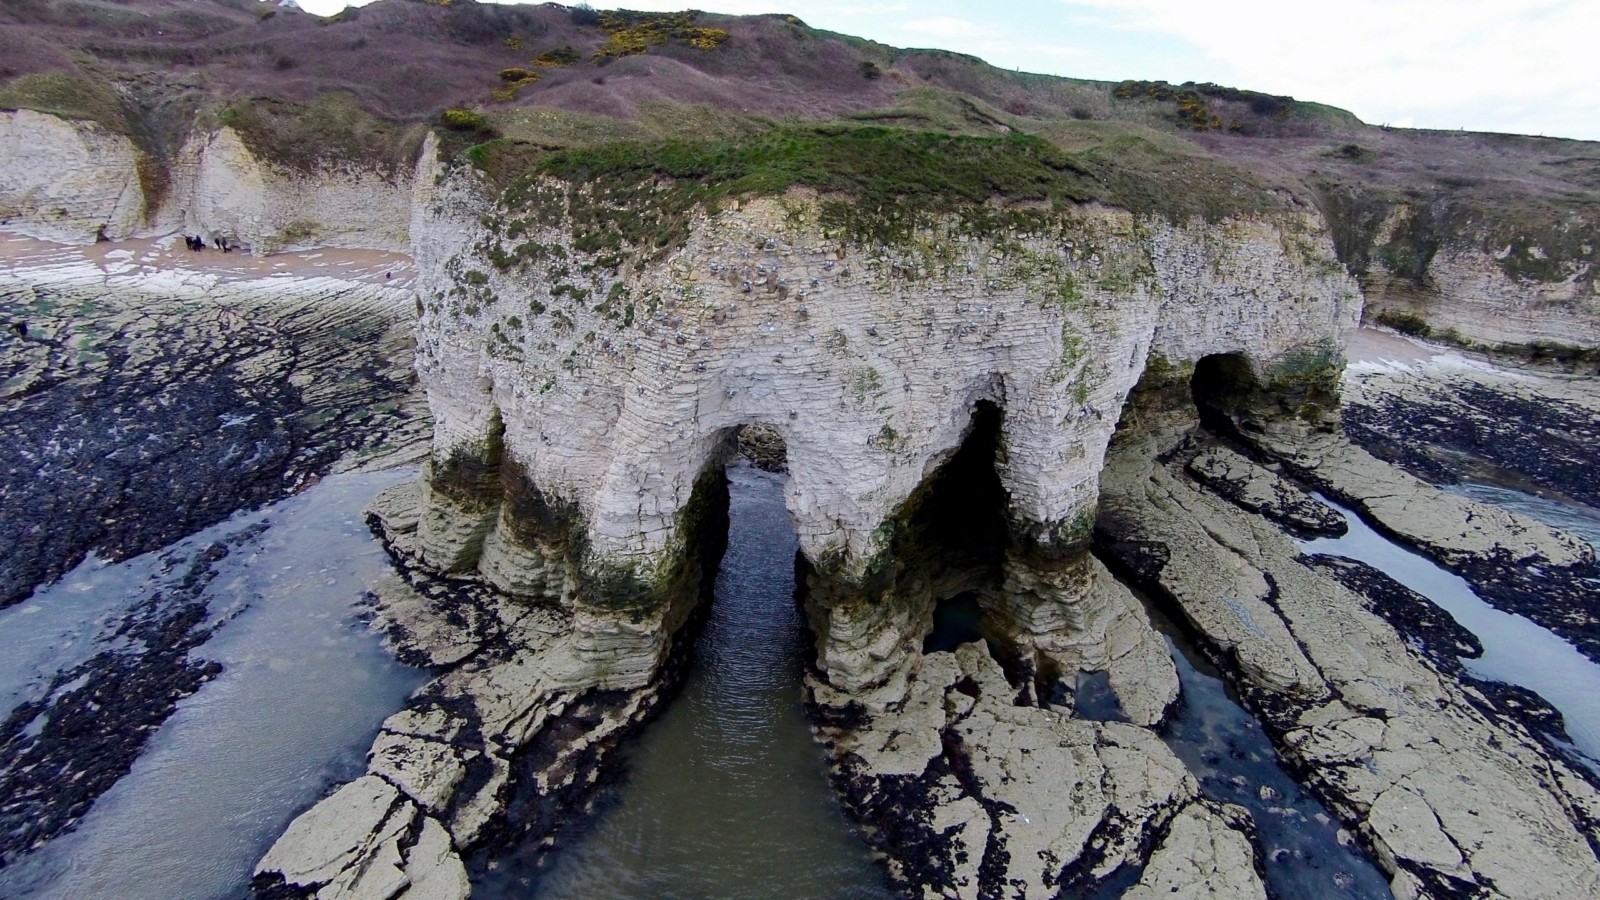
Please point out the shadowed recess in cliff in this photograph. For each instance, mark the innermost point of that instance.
(959, 517)
(1221, 387)
(950, 536)
(725, 795)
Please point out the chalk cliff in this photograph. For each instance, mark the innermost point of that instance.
(1470, 293)
(944, 382)
(601, 395)
(75, 181)
(68, 180)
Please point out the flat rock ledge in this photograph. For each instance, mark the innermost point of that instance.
(516, 718)
(969, 788)
(1514, 563)
(1441, 778)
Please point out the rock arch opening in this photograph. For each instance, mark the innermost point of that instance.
(763, 446)
(946, 551)
(1222, 388)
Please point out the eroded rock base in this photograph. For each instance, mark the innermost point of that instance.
(971, 789)
(507, 743)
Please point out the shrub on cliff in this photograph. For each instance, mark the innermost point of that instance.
(633, 33)
(1404, 322)
(461, 119)
(557, 58)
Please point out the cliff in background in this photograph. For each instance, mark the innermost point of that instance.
(276, 128)
(983, 314)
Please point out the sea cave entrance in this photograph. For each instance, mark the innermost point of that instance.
(725, 794)
(1222, 388)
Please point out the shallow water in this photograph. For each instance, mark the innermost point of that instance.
(1573, 518)
(726, 795)
(1233, 759)
(1515, 650)
(303, 690)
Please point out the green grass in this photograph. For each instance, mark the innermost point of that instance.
(879, 185)
(71, 97)
(332, 130)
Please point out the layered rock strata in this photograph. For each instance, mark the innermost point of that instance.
(1515, 275)
(584, 410)
(867, 361)
(586, 403)
(140, 408)
(1467, 296)
(1391, 737)
(67, 180)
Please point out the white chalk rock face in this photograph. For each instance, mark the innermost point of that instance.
(616, 390)
(220, 187)
(1479, 292)
(75, 182)
(66, 180)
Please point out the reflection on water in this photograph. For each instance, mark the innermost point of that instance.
(303, 689)
(726, 795)
(1233, 759)
(1515, 650)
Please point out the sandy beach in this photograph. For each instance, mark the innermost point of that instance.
(169, 254)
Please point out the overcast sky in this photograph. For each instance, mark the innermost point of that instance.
(1486, 65)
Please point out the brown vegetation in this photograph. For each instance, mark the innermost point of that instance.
(153, 68)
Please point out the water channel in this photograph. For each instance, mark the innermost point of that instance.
(725, 795)
(1515, 649)
(303, 688)
(1308, 854)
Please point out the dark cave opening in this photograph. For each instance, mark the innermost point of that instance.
(1222, 387)
(958, 522)
(946, 551)
(958, 533)
(956, 620)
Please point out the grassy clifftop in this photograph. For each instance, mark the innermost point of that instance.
(760, 102)
(879, 184)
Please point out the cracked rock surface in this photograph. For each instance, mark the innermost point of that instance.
(1447, 784)
(1513, 562)
(138, 409)
(499, 746)
(970, 791)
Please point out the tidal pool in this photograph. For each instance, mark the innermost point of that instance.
(303, 689)
(1515, 650)
(1307, 852)
(726, 794)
